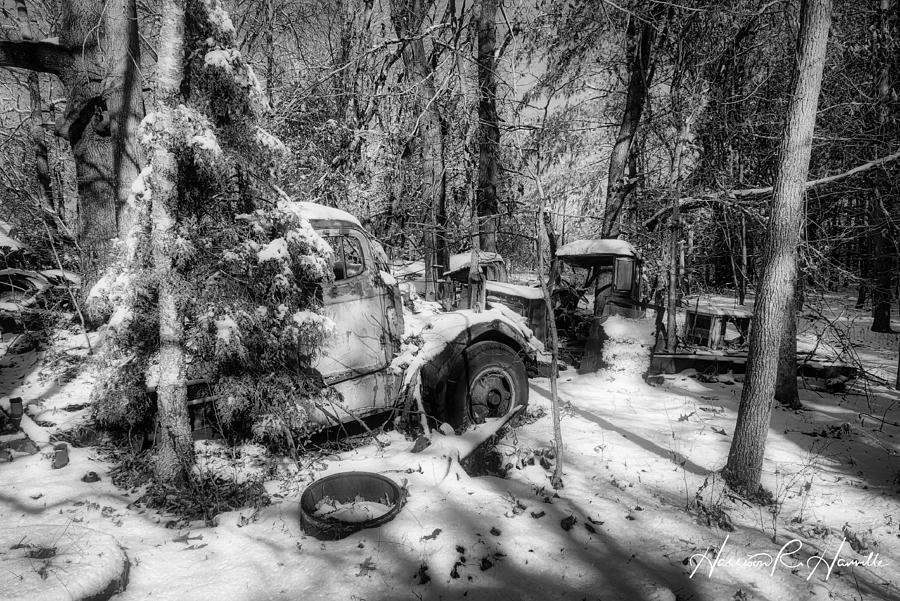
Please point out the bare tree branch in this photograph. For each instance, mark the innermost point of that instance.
(824, 180)
(44, 57)
(730, 197)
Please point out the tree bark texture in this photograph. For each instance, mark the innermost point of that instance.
(488, 125)
(174, 446)
(407, 17)
(884, 252)
(640, 75)
(675, 183)
(36, 124)
(775, 301)
(786, 391)
(97, 60)
(544, 223)
(897, 381)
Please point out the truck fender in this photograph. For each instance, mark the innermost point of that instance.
(435, 372)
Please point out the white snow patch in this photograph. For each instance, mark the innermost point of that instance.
(270, 142)
(529, 292)
(226, 328)
(316, 212)
(206, 141)
(276, 250)
(219, 17)
(221, 58)
(597, 247)
(387, 279)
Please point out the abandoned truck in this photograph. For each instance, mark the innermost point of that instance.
(471, 366)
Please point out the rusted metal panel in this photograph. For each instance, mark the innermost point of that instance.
(357, 303)
(359, 397)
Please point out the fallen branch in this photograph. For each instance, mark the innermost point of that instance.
(730, 197)
(44, 56)
(821, 181)
(689, 203)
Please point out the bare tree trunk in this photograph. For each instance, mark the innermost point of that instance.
(882, 270)
(863, 253)
(489, 130)
(786, 391)
(672, 287)
(640, 72)
(39, 140)
(775, 302)
(884, 254)
(742, 286)
(271, 16)
(897, 381)
(97, 59)
(684, 133)
(174, 446)
(477, 290)
(36, 125)
(101, 122)
(543, 221)
(407, 17)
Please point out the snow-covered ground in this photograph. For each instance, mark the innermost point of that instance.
(640, 515)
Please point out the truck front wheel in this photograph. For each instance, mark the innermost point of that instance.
(488, 380)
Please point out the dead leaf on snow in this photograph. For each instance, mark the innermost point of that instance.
(366, 566)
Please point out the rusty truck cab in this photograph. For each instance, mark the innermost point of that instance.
(614, 270)
(364, 305)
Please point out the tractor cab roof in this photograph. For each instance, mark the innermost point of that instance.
(596, 253)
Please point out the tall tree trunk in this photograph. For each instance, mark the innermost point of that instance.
(640, 72)
(684, 132)
(882, 270)
(407, 17)
(884, 254)
(174, 446)
(477, 288)
(897, 381)
(775, 302)
(544, 222)
(101, 120)
(271, 16)
(488, 125)
(786, 391)
(97, 59)
(36, 125)
(39, 140)
(742, 281)
(862, 251)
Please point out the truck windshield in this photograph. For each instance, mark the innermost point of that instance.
(348, 256)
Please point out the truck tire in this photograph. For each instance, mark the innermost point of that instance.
(487, 380)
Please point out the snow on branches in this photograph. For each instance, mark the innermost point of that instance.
(218, 17)
(181, 128)
(246, 267)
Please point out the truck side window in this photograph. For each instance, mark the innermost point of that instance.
(348, 257)
(624, 274)
(353, 257)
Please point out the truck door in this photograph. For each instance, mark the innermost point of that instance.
(356, 303)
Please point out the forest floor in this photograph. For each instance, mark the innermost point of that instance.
(642, 514)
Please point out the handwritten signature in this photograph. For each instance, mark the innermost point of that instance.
(786, 557)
